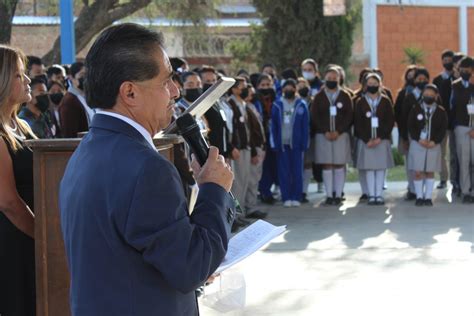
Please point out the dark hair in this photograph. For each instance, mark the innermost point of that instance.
(374, 75)
(176, 77)
(431, 86)
(56, 83)
(466, 62)
(242, 73)
(33, 60)
(289, 73)
(206, 68)
(311, 62)
(124, 52)
(379, 72)
(458, 56)
(447, 53)
(254, 79)
(55, 70)
(238, 80)
(263, 77)
(363, 73)
(187, 74)
(67, 69)
(407, 70)
(268, 65)
(177, 63)
(76, 68)
(422, 71)
(35, 82)
(289, 82)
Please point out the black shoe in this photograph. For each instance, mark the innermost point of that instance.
(257, 215)
(337, 201)
(372, 201)
(379, 200)
(419, 202)
(343, 197)
(329, 201)
(268, 199)
(428, 202)
(363, 198)
(200, 291)
(467, 199)
(410, 196)
(441, 185)
(304, 199)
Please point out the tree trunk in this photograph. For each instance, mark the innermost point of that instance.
(7, 11)
(91, 20)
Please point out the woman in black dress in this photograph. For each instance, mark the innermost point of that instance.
(17, 267)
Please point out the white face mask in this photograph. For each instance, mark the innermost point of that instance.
(308, 75)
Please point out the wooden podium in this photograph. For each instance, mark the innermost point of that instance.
(50, 158)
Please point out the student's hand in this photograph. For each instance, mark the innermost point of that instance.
(423, 142)
(215, 170)
(370, 143)
(471, 133)
(255, 160)
(235, 154)
(335, 135)
(431, 144)
(377, 142)
(328, 136)
(406, 145)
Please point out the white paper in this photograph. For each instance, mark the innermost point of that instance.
(249, 241)
(423, 135)
(332, 110)
(470, 109)
(375, 122)
(287, 119)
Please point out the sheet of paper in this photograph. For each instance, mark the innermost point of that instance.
(249, 241)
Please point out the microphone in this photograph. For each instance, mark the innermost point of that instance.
(192, 135)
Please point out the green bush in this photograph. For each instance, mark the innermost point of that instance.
(397, 157)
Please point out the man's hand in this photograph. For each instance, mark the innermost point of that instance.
(235, 154)
(215, 170)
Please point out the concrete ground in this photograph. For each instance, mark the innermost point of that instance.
(362, 260)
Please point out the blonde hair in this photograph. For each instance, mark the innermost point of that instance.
(9, 63)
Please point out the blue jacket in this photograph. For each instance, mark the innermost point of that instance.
(131, 246)
(300, 123)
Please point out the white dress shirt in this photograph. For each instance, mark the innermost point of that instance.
(131, 122)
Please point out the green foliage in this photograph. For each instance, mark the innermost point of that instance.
(397, 157)
(244, 51)
(414, 56)
(295, 30)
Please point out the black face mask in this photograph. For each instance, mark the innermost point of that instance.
(304, 92)
(192, 95)
(81, 84)
(42, 103)
(448, 66)
(421, 85)
(56, 97)
(206, 86)
(373, 89)
(244, 93)
(331, 85)
(266, 92)
(429, 100)
(290, 94)
(465, 76)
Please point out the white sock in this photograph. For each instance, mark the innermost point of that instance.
(363, 181)
(370, 178)
(379, 182)
(429, 184)
(307, 173)
(339, 176)
(328, 183)
(418, 188)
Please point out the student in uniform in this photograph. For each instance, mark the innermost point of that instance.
(373, 122)
(331, 117)
(445, 75)
(408, 86)
(427, 125)
(462, 104)
(421, 79)
(290, 139)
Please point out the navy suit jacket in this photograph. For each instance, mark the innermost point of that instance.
(131, 246)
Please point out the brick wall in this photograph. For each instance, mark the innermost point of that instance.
(432, 29)
(470, 27)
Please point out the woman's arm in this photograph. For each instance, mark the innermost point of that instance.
(11, 204)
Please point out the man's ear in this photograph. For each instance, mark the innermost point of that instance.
(128, 92)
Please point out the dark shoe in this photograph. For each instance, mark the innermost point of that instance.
(379, 200)
(337, 201)
(343, 197)
(329, 201)
(428, 202)
(467, 199)
(441, 185)
(363, 198)
(268, 199)
(410, 196)
(419, 202)
(304, 199)
(257, 215)
(372, 201)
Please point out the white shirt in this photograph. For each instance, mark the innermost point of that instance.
(131, 122)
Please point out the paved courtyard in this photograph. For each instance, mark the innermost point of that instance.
(363, 260)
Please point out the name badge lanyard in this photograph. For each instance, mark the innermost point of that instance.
(374, 124)
(471, 111)
(332, 111)
(428, 115)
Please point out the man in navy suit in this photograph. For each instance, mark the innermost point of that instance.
(132, 247)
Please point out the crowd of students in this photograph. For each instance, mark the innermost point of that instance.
(281, 130)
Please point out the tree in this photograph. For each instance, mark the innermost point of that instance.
(414, 56)
(7, 12)
(295, 30)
